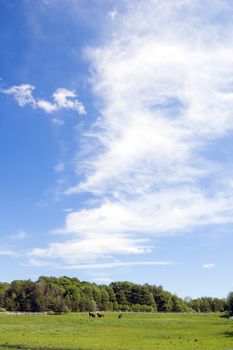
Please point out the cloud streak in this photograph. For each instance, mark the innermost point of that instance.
(208, 266)
(100, 266)
(6, 252)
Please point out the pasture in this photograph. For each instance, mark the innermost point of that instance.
(134, 331)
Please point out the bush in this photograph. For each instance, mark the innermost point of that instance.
(124, 307)
(136, 308)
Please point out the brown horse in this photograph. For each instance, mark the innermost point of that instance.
(120, 316)
(91, 314)
(100, 315)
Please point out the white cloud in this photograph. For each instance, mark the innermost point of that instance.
(62, 99)
(22, 94)
(46, 106)
(166, 97)
(167, 211)
(208, 266)
(165, 82)
(91, 247)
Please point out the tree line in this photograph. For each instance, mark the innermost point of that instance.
(63, 294)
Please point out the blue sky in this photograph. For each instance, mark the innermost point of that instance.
(116, 142)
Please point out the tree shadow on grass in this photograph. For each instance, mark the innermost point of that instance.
(229, 334)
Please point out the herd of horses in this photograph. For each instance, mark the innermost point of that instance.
(100, 315)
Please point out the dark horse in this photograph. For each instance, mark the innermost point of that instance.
(120, 316)
(100, 315)
(91, 314)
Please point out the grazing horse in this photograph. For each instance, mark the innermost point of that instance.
(91, 314)
(120, 316)
(100, 315)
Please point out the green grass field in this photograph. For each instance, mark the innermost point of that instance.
(132, 332)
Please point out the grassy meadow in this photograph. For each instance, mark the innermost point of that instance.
(135, 331)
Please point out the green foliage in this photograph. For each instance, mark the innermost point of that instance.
(206, 304)
(65, 294)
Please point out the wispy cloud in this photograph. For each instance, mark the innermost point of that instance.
(113, 13)
(119, 264)
(102, 280)
(6, 252)
(166, 98)
(67, 210)
(58, 122)
(38, 262)
(59, 167)
(91, 247)
(164, 79)
(166, 211)
(41, 204)
(20, 235)
(208, 266)
(61, 99)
